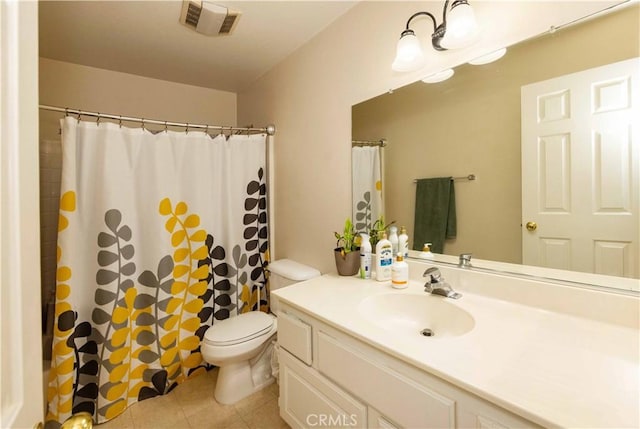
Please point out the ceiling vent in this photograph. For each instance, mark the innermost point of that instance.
(208, 18)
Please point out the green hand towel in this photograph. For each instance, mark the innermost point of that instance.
(435, 215)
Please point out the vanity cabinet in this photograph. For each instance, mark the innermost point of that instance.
(331, 379)
(307, 399)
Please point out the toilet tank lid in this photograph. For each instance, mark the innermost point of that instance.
(292, 270)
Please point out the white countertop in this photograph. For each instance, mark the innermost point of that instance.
(553, 368)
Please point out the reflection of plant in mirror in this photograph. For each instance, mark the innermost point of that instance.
(348, 241)
(377, 229)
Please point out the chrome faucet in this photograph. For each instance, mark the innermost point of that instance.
(464, 260)
(436, 285)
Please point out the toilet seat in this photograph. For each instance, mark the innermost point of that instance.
(239, 329)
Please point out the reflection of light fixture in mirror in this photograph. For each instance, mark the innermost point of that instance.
(458, 29)
(489, 58)
(438, 77)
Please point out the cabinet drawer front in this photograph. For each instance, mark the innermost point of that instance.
(394, 395)
(309, 400)
(295, 336)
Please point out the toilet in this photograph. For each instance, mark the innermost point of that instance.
(242, 346)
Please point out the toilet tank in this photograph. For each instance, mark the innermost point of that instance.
(285, 272)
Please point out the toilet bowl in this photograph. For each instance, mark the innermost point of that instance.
(242, 346)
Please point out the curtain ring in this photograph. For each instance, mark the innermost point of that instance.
(66, 112)
(98, 119)
(186, 131)
(79, 115)
(166, 129)
(206, 130)
(120, 121)
(143, 124)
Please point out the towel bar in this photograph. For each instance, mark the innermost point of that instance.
(469, 177)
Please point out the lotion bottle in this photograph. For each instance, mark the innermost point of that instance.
(393, 238)
(426, 252)
(384, 259)
(399, 272)
(365, 257)
(403, 242)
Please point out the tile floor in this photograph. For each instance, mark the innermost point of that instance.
(192, 405)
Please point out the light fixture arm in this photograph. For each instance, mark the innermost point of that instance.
(417, 14)
(438, 30)
(444, 12)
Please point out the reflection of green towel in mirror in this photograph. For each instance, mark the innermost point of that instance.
(435, 215)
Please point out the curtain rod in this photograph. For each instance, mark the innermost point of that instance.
(269, 129)
(381, 142)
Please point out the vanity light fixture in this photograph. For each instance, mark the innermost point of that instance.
(458, 29)
(439, 77)
(489, 58)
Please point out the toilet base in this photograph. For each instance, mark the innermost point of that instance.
(236, 382)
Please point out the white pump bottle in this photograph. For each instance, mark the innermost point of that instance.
(365, 257)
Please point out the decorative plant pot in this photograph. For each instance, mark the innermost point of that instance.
(347, 264)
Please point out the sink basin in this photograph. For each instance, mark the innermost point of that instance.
(411, 314)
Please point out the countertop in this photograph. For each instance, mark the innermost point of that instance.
(555, 369)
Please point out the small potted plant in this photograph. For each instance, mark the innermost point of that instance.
(346, 251)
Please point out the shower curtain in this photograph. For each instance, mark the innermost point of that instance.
(366, 186)
(159, 236)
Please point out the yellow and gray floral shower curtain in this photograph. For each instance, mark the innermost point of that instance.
(366, 186)
(160, 235)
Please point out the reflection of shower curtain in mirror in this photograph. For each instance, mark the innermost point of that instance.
(366, 186)
(159, 237)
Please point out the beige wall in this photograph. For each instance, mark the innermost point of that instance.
(88, 88)
(470, 124)
(309, 98)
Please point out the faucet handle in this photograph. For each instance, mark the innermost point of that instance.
(434, 275)
(464, 260)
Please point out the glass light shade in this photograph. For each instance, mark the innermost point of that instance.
(489, 58)
(461, 29)
(439, 77)
(409, 55)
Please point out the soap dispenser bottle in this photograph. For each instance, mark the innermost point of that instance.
(365, 257)
(426, 252)
(384, 259)
(393, 238)
(403, 242)
(399, 272)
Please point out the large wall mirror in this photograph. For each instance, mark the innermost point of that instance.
(471, 124)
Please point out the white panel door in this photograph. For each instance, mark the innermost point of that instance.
(580, 171)
(21, 404)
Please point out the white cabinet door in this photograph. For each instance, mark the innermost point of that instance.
(308, 400)
(580, 171)
(375, 420)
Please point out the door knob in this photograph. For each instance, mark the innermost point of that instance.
(81, 420)
(531, 226)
